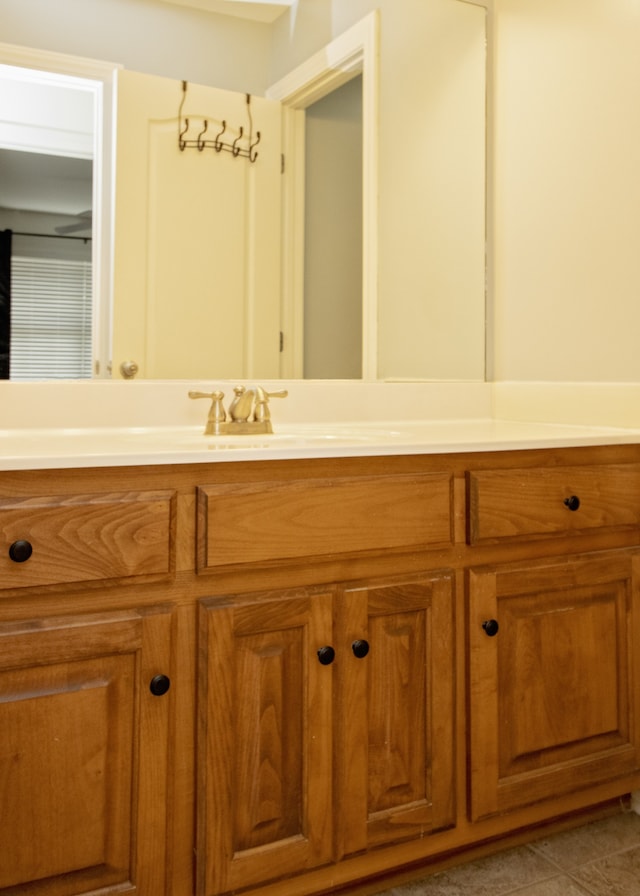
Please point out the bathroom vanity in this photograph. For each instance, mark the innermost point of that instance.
(301, 666)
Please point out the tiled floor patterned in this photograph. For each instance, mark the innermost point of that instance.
(599, 859)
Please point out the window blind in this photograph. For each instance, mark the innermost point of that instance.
(51, 319)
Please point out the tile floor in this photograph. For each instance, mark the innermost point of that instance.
(599, 859)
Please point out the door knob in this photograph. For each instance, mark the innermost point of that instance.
(491, 627)
(20, 550)
(128, 369)
(360, 648)
(159, 685)
(326, 655)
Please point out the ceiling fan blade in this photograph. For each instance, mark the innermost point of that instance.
(84, 222)
(73, 228)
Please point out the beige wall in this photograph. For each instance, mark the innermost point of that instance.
(567, 190)
(431, 182)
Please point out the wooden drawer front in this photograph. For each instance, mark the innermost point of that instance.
(82, 538)
(258, 522)
(514, 503)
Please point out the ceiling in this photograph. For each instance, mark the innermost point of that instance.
(54, 184)
(43, 183)
(258, 10)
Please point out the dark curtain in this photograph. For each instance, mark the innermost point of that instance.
(5, 303)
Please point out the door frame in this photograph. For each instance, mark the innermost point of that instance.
(356, 52)
(98, 78)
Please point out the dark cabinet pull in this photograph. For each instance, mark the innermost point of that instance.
(326, 655)
(491, 627)
(20, 550)
(159, 685)
(360, 648)
(572, 503)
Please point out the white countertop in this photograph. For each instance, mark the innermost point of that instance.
(55, 448)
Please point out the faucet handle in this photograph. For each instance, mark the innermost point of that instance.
(217, 413)
(261, 412)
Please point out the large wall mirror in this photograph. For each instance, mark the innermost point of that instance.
(352, 247)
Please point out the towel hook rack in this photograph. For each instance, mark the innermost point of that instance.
(244, 145)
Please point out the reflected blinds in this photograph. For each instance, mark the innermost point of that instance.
(51, 319)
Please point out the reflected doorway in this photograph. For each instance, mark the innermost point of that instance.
(47, 137)
(333, 235)
(55, 119)
(353, 56)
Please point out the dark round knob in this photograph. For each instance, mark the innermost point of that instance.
(326, 655)
(491, 627)
(159, 685)
(20, 550)
(572, 503)
(360, 648)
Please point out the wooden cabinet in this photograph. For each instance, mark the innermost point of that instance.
(288, 521)
(83, 753)
(264, 739)
(554, 666)
(85, 710)
(395, 688)
(554, 678)
(85, 537)
(373, 662)
(353, 685)
(513, 504)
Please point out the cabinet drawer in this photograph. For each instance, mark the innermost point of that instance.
(507, 504)
(76, 538)
(271, 521)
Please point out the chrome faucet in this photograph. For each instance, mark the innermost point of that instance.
(248, 414)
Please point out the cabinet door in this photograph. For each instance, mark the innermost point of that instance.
(555, 687)
(395, 747)
(264, 740)
(83, 755)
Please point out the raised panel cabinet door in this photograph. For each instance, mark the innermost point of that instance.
(83, 755)
(264, 739)
(395, 724)
(554, 666)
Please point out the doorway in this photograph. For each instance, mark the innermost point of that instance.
(333, 235)
(55, 138)
(353, 56)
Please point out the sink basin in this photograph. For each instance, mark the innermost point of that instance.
(292, 435)
(174, 439)
(289, 438)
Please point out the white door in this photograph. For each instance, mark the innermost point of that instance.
(197, 237)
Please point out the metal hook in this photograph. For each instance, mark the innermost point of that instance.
(200, 142)
(251, 155)
(236, 149)
(181, 141)
(182, 131)
(217, 144)
(254, 155)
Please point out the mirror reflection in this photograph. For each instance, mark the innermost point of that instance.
(46, 171)
(208, 282)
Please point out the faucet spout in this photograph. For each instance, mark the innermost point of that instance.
(241, 406)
